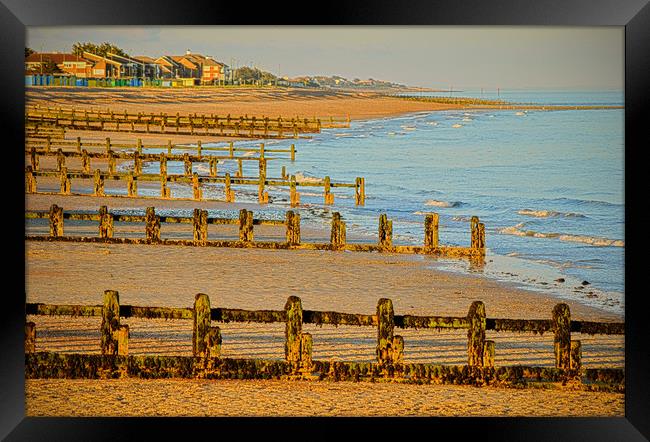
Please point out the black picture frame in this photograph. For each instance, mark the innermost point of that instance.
(16, 15)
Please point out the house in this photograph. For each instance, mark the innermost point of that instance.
(106, 68)
(206, 69)
(69, 64)
(130, 67)
(169, 68)
(150, 68)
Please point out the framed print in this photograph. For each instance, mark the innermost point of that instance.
(395, 215)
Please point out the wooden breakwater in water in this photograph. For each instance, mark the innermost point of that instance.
(45, 145)
(200, 221)
(391, 350)
(501, 104)
(197, 182)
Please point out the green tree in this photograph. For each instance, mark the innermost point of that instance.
(49, 67)
(28, 52)
(98, 49)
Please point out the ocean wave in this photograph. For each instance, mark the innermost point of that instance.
(464, 219)
(549, 214)
(300, 176)
(437, 203)
(585, 239)
(457, 125)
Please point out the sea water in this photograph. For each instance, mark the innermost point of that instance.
(548, 185)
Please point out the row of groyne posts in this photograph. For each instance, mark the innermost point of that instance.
(188, 124)
(138, 158)
(200, 222)
(390, 362)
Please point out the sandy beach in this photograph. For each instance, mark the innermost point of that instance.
(154, 275)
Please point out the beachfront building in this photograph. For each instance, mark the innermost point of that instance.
(205, 69)
(169, 68)
(104, 67)
(68, 64)
(151, 68)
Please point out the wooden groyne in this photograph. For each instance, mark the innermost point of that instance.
(501, 104)
(45, 145)
(391, 350)
(200, 221)
(197, 181)
(313, 123)
(192, 124)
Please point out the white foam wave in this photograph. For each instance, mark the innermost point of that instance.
(437, 203)
(457, 125)
(305, 178)
(548, 213)
(585, 239)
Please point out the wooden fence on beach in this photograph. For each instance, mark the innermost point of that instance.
(44, 146)
(312, 123)
(193, 178)
(190, 124)
(200, 221)
(390, 364)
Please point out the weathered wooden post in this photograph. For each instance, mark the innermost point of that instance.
(105, 223)
(385, 231)
(261, 150)
(201, 325)
(576, 355)
(132, 185)
(293, 153)
(293, 227)
(488, 354)
(306, 347)
(85, 161)
(98, 183)
(152, 228)
(263, 197)
(562, 338)
(48, 143)
(30, 337)
(230, 194)
(328, 195)
(200, 222)
(111, 163)
(337, 235)
(284, 172)
(385, 326)
(294, 196)
(169, 145)
(481, 237)
(293, 331)
(108, 144)
(64, 181)
(474, 232)
(199, 149)
(30, 180)
(231, 149)
(476, 334)
(187, 163)
(245, 225)
(359, 192)
(197, 193)
(137, 163)
(213, 166)
(60, 160)
(122, 338)
(431, 224)
(34, 159)
(139, 147)
(110, 322)
(163, 164)
(214, 341)
(397, 354)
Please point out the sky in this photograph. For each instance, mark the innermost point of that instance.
(505, 57)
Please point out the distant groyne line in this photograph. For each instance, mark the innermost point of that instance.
(501, 104)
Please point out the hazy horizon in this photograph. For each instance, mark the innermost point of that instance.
(462, 57)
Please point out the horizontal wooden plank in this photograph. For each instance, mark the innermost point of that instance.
(49, 365)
